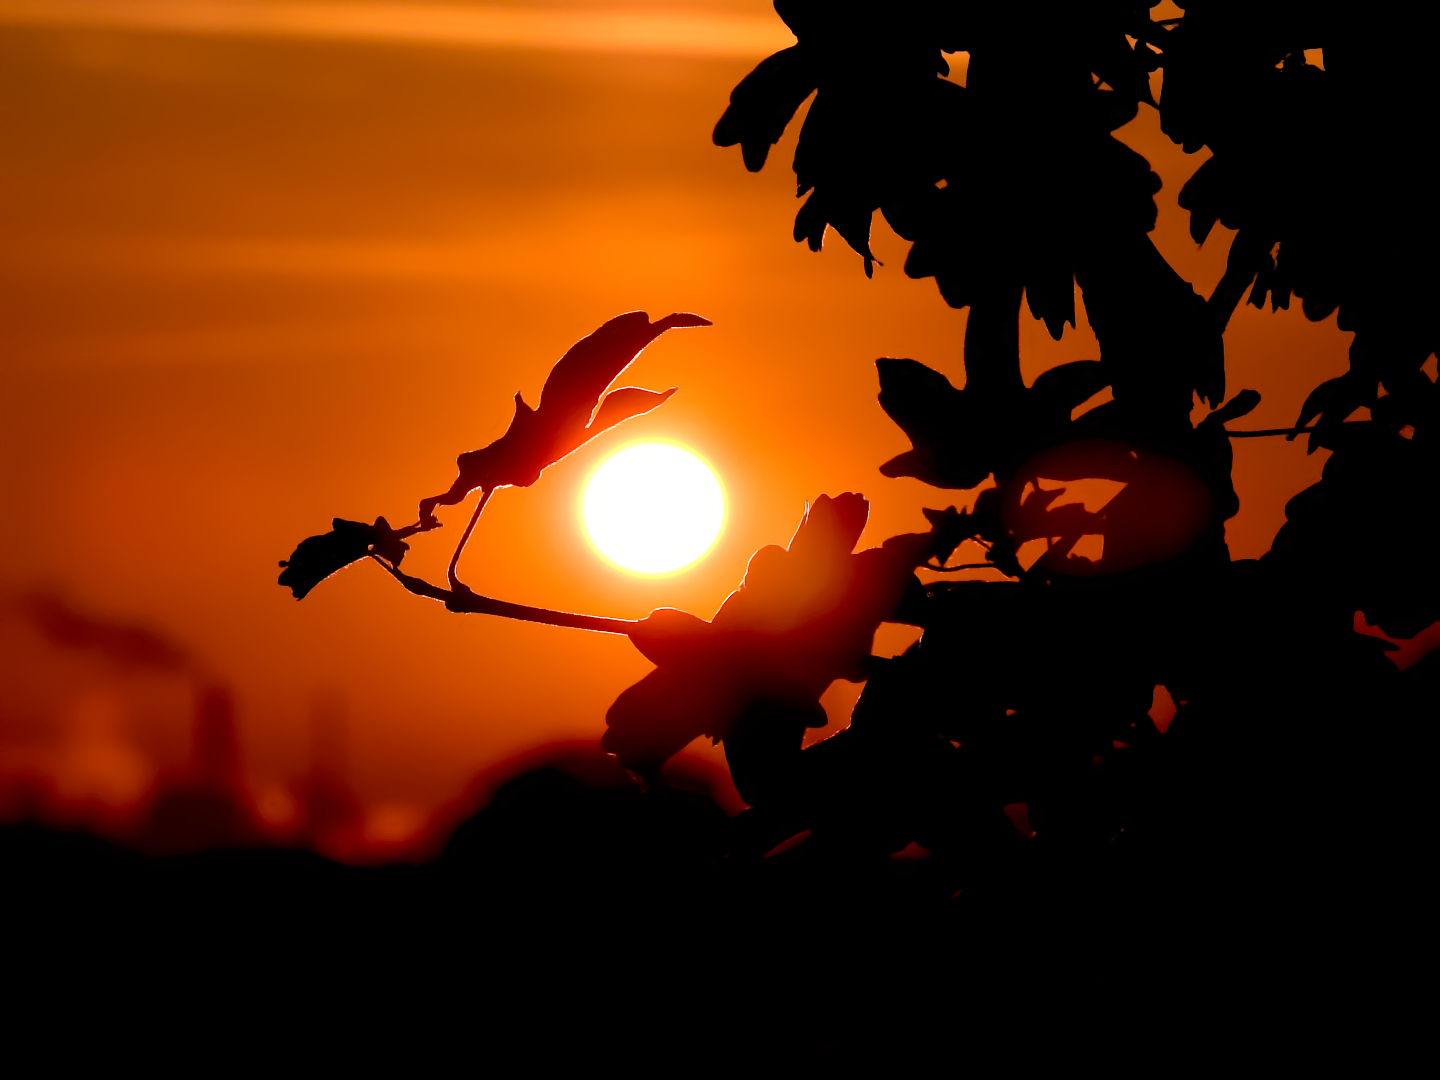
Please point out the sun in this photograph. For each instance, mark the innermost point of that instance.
(653, 508)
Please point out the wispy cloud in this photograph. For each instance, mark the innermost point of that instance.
(674, 33)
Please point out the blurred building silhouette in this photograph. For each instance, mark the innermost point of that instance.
(331, 817)
(206, 806)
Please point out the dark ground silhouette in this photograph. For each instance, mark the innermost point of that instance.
(578, 915)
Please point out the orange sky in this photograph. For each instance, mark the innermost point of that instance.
(253, 278)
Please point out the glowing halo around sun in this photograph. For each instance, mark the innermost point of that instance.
(653, 508)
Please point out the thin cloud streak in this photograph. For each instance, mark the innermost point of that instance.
(671, 33)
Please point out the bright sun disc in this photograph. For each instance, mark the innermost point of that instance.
(653, 508)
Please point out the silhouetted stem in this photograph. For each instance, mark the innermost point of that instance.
(962, 566)
(1268, 431)
(464, 600)
(455, 582)
(418, 586)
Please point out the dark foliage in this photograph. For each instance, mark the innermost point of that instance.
(1037, 691)
(803, 617)
(1014, 742)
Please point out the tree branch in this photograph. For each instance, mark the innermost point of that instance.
(962, 566)
(1267, 431)
(466, 601)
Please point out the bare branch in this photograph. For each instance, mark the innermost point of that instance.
(1266, 432)
(962, 566)
(464, 600)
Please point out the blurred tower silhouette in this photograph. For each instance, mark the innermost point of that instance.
(207, 806)
(215, 745)
(331, 814)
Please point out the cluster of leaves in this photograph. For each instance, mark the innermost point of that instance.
(1013, 185)
(1317, 171)
(574, 408)
(1038, 690)
(1323, 176)
(1012, 182)
(804, 616)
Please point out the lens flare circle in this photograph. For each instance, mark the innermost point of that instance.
(653, 508)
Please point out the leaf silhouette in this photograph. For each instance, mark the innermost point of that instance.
(571, 410)
(625, 404)
(959, 437)
(763, 104)
(930, 411)
(318, 557)
(1331, 402)
(803, 617)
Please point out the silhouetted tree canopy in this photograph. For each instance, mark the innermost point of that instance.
(1030, 696)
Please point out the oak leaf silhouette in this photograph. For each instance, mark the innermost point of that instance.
(764, 102)
(803, 617)
(318, 557)
(959, 437)
(571, 412)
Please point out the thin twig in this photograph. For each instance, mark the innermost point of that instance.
(418, 586)
(1268, 431)
(963, 566)
(455, 582)
(465, 600)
